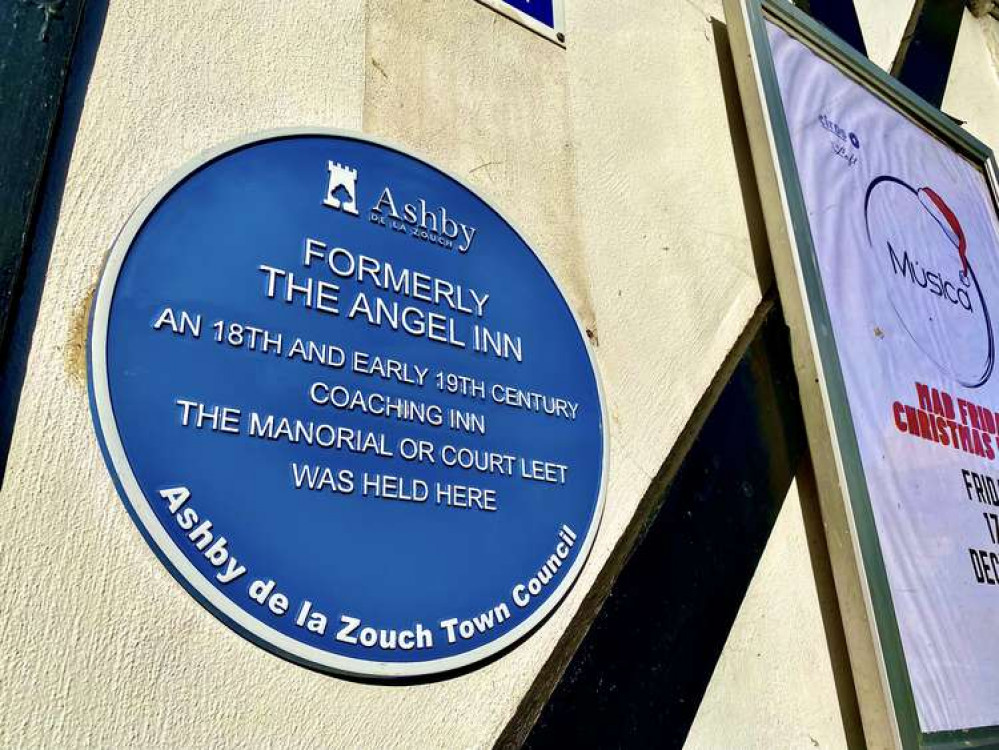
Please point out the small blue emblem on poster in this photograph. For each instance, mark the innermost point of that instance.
(347, 405)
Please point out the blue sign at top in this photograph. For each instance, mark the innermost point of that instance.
(542, 11)
(347, 405)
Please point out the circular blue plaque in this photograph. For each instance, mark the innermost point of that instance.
(347, 405)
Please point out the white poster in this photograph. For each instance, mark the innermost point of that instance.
(908, 249)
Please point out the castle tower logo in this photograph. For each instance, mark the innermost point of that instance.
(341, 194)
(922, 253)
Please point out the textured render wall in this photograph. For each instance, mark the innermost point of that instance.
(666, 234)
(973, 87)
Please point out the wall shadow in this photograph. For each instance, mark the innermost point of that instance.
(640, 673)
(42, 233)
(751, 204)
(832, 620)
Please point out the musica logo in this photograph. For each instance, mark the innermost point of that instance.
(930, 280)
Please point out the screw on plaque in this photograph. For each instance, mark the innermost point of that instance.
(51, 9)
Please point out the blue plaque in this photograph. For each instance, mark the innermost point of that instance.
(347, 405)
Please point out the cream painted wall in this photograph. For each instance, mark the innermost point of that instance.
(883, 24)
(774, 686)
(665, 235)
(973, 87)
(621, 157)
